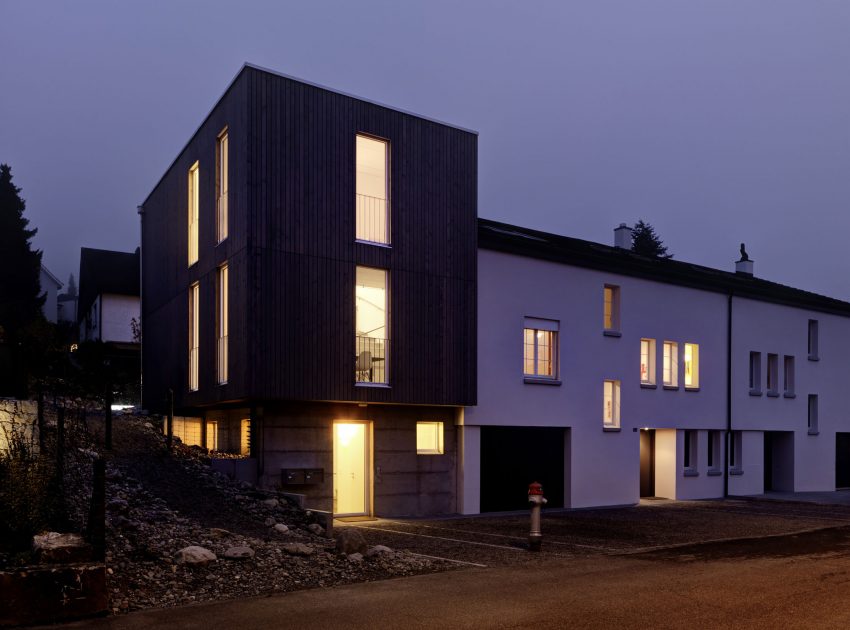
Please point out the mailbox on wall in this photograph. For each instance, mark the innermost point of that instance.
(301, 476)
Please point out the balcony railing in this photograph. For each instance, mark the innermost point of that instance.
(370, 360)
(372, 223)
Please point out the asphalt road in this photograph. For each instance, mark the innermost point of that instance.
(792, 581)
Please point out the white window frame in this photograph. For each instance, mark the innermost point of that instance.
(611, 309)
(691, 366)
(222, 323)
(535, 331)
(647, 359)
(193, 203)
(222, 183)
(670, 368)
(436, 447)
(194, 336)
(611, 404)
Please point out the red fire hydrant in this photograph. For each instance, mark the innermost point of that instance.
(536, 500)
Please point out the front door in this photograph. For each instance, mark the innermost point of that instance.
(647, 463)
(351, 469)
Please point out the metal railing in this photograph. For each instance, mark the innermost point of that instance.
(372, 219)
(370, 360)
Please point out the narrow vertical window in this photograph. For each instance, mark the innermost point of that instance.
(773, 375)
(221, 185)
(691, 366)
(611, 404)
(212, 435)
(540, 348)
(245, 437)
(372, 194)
(647, 361)
(194, 335)
(713, 450)
(222, 324)
(671, 364)
(372, 325)
(755, 373)
(813, 414)
(690, 452)
(193, 214)
(788, 373)
(611, 309)
(735, 452)
(813, 340)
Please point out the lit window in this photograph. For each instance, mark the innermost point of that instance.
(212, 436)
(671, 364)
(772, 375)
(194, 336)
(540, 348)
(788, 373)
(813, 340)
(221, 184)
(755, 373)
(611, 404)
(222, 324)
(813, 414)
(372, 198)
(429, 438)
(611, 308)
(647, 361)
(371, 338)
(193, 214)
(692, 365)
(690, 453)
(245, 437)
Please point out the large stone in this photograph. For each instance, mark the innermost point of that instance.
(378, 550)
(349, 541)
(298, 549)
(194, 556)
(355, 557)
(316, 529)
(280, 528)
(217, 532)
(270, 522)
(272, 503)
(239, 553)
(61, 548)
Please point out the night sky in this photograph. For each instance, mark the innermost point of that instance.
(718, 121)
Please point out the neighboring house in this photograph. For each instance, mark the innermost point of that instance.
(609, 376)
(50, 286)
(309, 293)
(108, 296)
(66, 306)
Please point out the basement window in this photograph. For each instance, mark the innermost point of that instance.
(429, 438)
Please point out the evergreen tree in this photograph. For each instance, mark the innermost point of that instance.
(646, 242)
(71, 291)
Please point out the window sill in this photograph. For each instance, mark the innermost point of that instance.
(814, 358)
(536, 380)
(373, 385)
(224, 240)
(611, 429)
(735, 472)
(612, 333)
(773, 394)
(755, 392)
(714, 472)
(691, 389)
(671, 388)
(648, 386)
(813, 432)
(373, 243)
(789, 395)
(690, 472)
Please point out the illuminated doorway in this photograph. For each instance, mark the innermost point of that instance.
(351, 469)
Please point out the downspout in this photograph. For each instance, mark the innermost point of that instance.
(141, 212)
(728, 395)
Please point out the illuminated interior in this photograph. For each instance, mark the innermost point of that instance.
(245, 437)
(350, 461)
(372, 190)
(222, 323)
(611, 307)
(611, 404)
(371, 341)
(429, 438)
(691, 365)
(539, 348)
(670, 368)
(212, 435)
(194, 335)
(647, 361)
(193, 214)
(222, 158)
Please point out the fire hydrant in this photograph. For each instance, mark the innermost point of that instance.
(537, 501)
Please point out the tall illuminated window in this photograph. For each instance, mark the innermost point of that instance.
(692, 365)
(193, 214)
(222, 317)
(611, 308)
(540, 348)
(670, 368)
(221, 185)
(611, 404)
(372, 325)
(647, 361)
(194, 335)
(372, 194)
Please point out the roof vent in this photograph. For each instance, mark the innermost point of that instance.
(745, 265)
(623, 236)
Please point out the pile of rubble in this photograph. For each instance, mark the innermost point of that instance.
(158, 557)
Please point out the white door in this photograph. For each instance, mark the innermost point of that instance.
(351, 468)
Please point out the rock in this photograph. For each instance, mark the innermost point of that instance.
(355, 557)
(316, 529)
(239, 553)
(148, 425)
(298, 549)
(280, 528)
(349, 541)
(270, 522)
(194, 556)
(378, 550)
(118, 505)
(272, 503)
(61, 548)
(217, 532)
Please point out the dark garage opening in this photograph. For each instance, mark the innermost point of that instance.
(842, 460)
(513, 457)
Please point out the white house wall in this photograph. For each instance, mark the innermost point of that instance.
(118, 311)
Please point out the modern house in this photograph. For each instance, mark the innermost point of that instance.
(109, 296)
(319, 296)
(50, 286)
(309, 293)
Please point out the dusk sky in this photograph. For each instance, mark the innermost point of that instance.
(718, 121)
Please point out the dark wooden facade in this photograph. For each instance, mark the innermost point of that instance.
(292, 253)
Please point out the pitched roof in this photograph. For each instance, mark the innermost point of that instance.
(522, 241)
(105, 271)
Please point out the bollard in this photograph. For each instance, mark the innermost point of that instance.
(537, 501)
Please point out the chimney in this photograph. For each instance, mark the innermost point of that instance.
(744, 266)
(623, 236)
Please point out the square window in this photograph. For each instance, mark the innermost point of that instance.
(540, 348)
(611, 308)
(611, 404)
(670, 374)
(429, 438)
(647, 361)
(692, 366)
